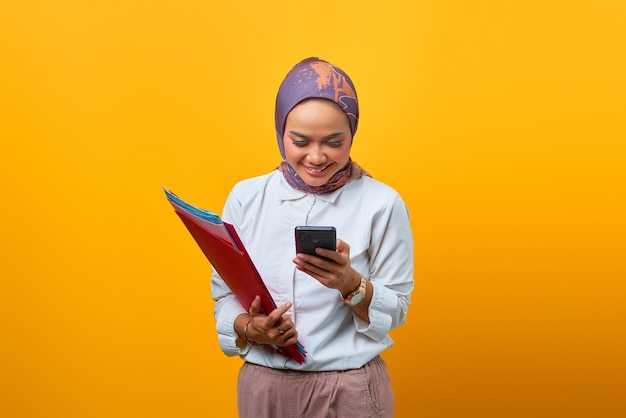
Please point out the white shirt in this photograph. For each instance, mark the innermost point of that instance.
(371, 217)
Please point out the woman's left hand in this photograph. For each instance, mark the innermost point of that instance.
(336, 274)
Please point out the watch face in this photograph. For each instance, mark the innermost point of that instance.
(357, 298)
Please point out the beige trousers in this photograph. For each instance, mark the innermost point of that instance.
(271, 393)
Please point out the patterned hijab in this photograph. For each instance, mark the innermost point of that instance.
(316, 78)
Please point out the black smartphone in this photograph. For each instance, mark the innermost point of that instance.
(308, 238)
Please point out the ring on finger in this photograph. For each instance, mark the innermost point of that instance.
(280, 330)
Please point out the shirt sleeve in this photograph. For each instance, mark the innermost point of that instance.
(226, 310)
(391, 271)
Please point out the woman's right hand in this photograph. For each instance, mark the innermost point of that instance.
(276, 328)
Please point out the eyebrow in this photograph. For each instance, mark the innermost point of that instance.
(331, 136)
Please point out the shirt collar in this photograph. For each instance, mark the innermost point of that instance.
(289, 193)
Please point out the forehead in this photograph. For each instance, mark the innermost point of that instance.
(317, 109)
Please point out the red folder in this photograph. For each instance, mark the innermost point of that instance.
(221, 245)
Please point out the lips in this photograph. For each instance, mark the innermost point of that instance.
(314, 171)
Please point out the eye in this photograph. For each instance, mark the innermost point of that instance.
(334, 144)
(299, 142)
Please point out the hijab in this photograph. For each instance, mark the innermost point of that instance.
(316, 78)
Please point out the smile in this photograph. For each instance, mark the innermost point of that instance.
(314, 171)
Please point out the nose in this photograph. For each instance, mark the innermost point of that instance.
(316, 156)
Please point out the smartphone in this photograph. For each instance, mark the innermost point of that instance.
(308, 238)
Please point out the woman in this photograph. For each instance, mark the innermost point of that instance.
(340, 310)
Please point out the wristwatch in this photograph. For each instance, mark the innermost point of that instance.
(358, 295)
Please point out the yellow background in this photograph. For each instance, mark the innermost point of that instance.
(501, 123)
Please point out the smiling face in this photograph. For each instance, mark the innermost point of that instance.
(317, 140)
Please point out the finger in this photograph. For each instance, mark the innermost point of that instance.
(322, 268)
(289, 337)
(311, 262)
(343, 247)
(330, 254)
(277, 313)
(255, 306)
(286, 323)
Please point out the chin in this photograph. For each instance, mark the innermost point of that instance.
(312, 181)
(316, 182)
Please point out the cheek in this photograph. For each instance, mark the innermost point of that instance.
(341, 154)
(291, 151)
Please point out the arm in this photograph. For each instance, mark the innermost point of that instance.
(233, 322)
(390, 275)
(391, 270)
(226, 311)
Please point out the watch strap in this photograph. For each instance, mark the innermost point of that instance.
(359, 290)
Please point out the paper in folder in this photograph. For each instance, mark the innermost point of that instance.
(221, 245)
